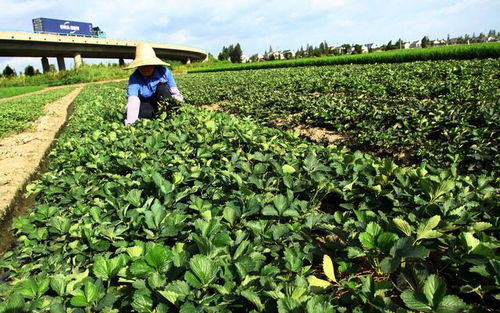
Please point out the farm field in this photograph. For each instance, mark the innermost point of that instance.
(6, 92)
(16, 114)
(205, 212)
(444, 113)
(455, 52)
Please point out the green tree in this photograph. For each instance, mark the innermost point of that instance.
(345, 48)
(29, 70)
(426, 43)
(235, 54)
(358, 49)
(224, 54)
(399, 44)
(8, 71)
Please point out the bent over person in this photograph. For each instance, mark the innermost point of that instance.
(150, 84)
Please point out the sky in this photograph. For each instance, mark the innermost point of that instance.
(257, 24)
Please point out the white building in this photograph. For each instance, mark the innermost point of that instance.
(416, 44)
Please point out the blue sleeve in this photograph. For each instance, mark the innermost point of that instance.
(169, 78)
(133, 86)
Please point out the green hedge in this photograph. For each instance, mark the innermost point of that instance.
(456, 52)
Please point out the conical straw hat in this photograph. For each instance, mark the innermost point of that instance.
(144, 55)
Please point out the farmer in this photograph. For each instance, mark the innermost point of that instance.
(150, 84)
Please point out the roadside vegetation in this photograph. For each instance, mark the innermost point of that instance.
(6, 92)
(84, 74)
(16, 114)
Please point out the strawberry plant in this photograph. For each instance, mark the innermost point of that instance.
(203, 212)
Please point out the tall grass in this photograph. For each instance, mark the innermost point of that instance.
(6, 92)
(455, 52)
(86, 73)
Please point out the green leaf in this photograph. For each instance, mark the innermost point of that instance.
(192, 280)
(426, 231)
(415, 302)
(367, 240)
(106, 268)
(14, 303)
(434, 290)
(106, 302)
(154, 217)
(385, 241)
(444, 187)
(389, 265)
(140, 268)
(315, 282)
(156, 280)
(328, 268)
(355, 252)
(287, 169)
(288, 305)
(254, 298)
(404, 248)
(204, 268)
(469, 240)
(169, 295)
(280, 202)
(230, 214)
(79, 301)
(481, 226)
(160, 258)
(451, 304)
(291, 213)
(373, 229)
(268, 210)
(134, 197)
(403, 226)
(28, 289)
(142, 301)
(176, 290)
(222, 240)
(91, 292)
(58, 284)
(135, 251)
(188, 307)
(319, 304)
(211, 125)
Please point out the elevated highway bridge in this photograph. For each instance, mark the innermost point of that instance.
(22, 44)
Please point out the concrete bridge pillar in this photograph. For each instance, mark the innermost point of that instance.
(121, 62)
(45, 65)
(78, 59)
(188, 61)
(60, 63)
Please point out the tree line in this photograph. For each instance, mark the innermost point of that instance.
(234, 52)
(28, 71)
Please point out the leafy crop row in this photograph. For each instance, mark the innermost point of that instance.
(202, 212)
(442, 112)
(16, 114)
(456, 52)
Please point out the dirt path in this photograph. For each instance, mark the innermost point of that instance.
(62, 86)
(21, 154)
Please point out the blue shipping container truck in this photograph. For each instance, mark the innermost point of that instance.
(64, 27)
